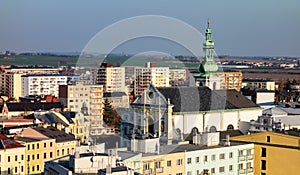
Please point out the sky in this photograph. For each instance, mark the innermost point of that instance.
(240, 28)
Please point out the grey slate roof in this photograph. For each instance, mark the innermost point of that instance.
(189, 99)
(237, 99)
(27, 106)
(52, 132)
(114, 94)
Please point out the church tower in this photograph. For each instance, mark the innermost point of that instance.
(207, 69)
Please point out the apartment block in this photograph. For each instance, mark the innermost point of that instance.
(10, 79)
(144, 76)
(112, 78)
(206, 155)
(274, 153)
(263, 84)
(177, 77)
(87, 99)
(231, 80)
(42, 84)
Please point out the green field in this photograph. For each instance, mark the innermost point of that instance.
(21, 60)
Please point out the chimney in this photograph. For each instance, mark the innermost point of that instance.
(196, 140)
(227, 142)
(108, 169)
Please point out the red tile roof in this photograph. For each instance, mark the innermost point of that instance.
(7, 143)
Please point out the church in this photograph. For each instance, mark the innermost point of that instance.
(170, 114)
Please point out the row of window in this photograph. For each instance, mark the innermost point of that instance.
(213, 158)
(38, 146)
(213, 170)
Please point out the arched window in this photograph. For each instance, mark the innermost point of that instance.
(212, 129)
(230, 127)
(214, 86)
(195, 130)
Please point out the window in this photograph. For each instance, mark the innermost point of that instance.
(22, 168)
(178, 173)
(16, 158)
(45, 145)
(189, 173)
(50, 154)
(32, 156)
(205, 158)
(197, 159)
(146, 166)
(179, 162)
(28, 157)
(268, 139)
(32, 168)
(213, 171)
(63, 152)
(57, 154)
(45, 155)
(22, 157)
(263, 152)
(32, 146)
(263, 173)
(8, 158)
(28, 147)
(16, 169)
(221, 169)
(157, 164)
(230, 155)
(8, 170)
(230, 167)
(241, 166)
(249, 152)
(222, 156)
(38, 146)
(169, 163)
(249, 165)
(263, 165)
(38, 167)
(198, 172)
(38, 156)
(240, 153)
(189, 160)
(68, 151)
(213, 157)
(50, 144)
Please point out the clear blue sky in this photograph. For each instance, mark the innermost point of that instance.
(246, 28)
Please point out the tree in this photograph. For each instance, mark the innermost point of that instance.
(110, 116)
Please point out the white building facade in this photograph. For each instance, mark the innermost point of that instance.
(230, 160)
(42, 84)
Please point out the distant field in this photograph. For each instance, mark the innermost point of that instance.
(89, 62)
(39, 60)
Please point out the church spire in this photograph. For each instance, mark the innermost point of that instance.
(208, 49)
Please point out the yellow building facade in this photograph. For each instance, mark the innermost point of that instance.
(12, 156)
(274, 153)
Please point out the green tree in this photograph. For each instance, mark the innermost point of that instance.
(110, 116)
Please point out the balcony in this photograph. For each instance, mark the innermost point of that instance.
(159, 170)
(241, 158)
(148, 172)
(250, 170)
(242, 171)
(250, 157)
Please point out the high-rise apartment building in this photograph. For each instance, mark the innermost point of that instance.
(10, 79)
(144, 76)
(87, 99)
(42, 84)
(231, 80)
(112, 78)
